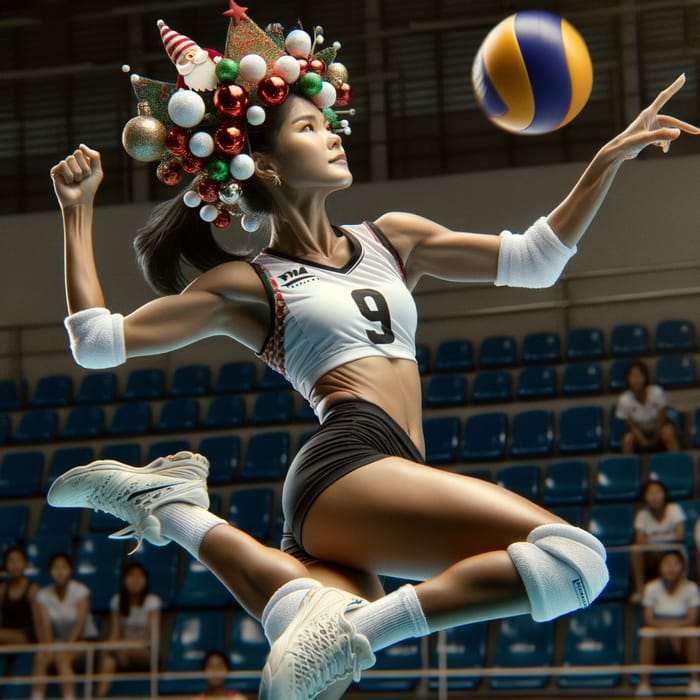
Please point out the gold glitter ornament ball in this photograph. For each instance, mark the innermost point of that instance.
(143, 137)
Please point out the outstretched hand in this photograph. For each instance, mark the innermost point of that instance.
(651, 128)
(77, 177)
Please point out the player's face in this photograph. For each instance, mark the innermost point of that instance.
(307, 151)
(16, 563)
(61, 572)
(135, 581)
(636, 379)
(655, 496)
(671, 568)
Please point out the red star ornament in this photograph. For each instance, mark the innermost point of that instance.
(236, 12)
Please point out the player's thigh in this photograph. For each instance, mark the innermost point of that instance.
(401, 518)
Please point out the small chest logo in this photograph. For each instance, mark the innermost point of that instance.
(296, 276)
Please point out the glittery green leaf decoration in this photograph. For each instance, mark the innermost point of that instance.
(156, 94)
(276, 33)
(327, 55)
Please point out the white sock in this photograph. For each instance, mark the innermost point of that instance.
(390, 619)
(283, 606)
(186, 524)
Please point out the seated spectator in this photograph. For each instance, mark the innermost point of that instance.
(670, 601)
(658, 522)
(62, 614)
(643, 407)
(216, 664)
(134, 610)
(17, 595)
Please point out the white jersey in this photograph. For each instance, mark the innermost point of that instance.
(324, 317)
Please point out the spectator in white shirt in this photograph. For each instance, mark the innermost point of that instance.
(643, 407)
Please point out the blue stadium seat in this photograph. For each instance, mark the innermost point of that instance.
(84, 422)
(520, 643)
(41, 547)
(145, 384)
(190, 380)
(11, 396)
(267, 456)
(566, 483)
(492, 385)
(248, 650)
(98, 565)
(37, 425)
(617, 374)
(612, 523)
(674, 336)
(441, 435)
(64, 520)
(131, 419)
(629, 339)
(192, 636)
(581, 430)
(273, 381)
(532, 433)
(250, 509)
(423, 358)
(5, 428)
(52, 391)
(97, 387)
(618, 478)
(20, 474)
(485, 436)
(402, 657)
(594, 637)
(178, 415)
(616, 429)
(582, 378)
(523, 479)
(272, 407)
(454, 356)
(542, 347)
(696, 427)
(21, 668)
(225, 411)
(464, 647)
(478, 473)
(161, 563)
(305, 413)
(691, 508)
(571, 514)
(161, 448)
(199, 588)
(585, 344)
(125, 452)
(536, 382)
(224, 454)
(675, 371)
(497, 351)
(235, 378)
(446, 390)
(65, 458)
(618, 587)
(675, 471)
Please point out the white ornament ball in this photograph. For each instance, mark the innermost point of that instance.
(201, 144)
(126, 68)
(298, 43)
(326, 97)
(256, 114)
(208, 213)
(186, 108)
(191, 199)
(242, 167)
(250, 223)
(252, 68)
(287, 67)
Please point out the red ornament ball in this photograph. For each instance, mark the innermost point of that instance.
(169, 172)
(273, 90)
(343, 95)
(192, 164)
(317, 66)
(208, 190)
(229, 139)
(231, 101)
(177, 139)
(223, 219)
(303, 66)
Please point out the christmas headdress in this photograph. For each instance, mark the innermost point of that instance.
(204, 132)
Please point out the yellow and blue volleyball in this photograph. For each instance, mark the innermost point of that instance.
(532, 73)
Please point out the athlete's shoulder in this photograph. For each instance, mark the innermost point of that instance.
(237, 279)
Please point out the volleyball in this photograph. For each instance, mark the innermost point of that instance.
(532, 74)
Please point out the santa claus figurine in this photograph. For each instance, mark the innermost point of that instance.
(196, 67)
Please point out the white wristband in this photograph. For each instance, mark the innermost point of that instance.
(96, 338)
(534, 259)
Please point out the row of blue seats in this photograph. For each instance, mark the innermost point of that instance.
(451, 355)
(542, 381)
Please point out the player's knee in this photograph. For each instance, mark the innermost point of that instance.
(562, 567)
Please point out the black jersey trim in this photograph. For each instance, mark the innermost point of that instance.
(385, 242)
(270, 293)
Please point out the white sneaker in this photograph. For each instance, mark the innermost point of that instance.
(133, 493)
(643, 690)
(318, 648)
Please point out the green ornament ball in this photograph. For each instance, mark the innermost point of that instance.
(218, 170)
(330, 116)
(311, 84)
(227, 70)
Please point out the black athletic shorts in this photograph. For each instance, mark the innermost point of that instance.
(353, 434)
